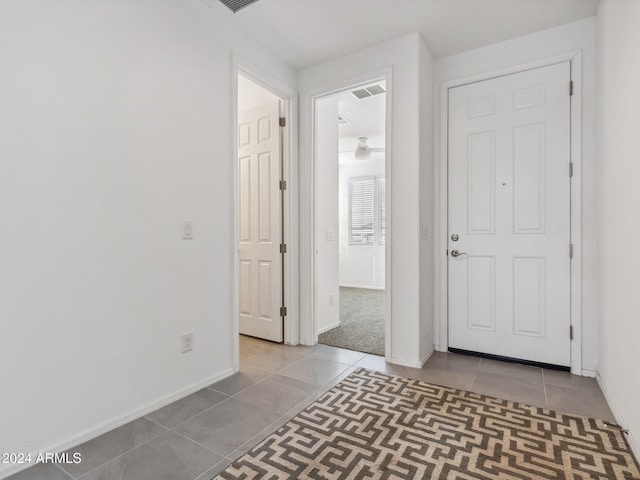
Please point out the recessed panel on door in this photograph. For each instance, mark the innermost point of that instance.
(244, 202)
(529, 286)
(528, 178)
(481, 291)
(245, 287)
(264, 129)
(265, 192)
(265, 309)
(481, 182)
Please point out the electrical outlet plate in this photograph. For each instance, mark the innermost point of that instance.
(186, 342)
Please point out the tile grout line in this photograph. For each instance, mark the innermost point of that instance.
(200, 444)
(544, 390)
(124, 453)
(475, 372)
(198, 414)
(63, 470)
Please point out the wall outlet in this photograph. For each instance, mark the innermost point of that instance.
(332, 298)
(186, 342)
(329, 235)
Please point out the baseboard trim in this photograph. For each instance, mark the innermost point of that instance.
(105, 427)
(426, 358)
(329, 327)
(634, 445)
(589, 373)
(406, 362)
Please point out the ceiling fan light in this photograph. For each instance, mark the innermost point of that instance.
(363, 152)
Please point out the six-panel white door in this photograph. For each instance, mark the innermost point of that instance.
(509, 205)
(259, 233)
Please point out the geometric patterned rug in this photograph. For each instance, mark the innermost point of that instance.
(377, 426)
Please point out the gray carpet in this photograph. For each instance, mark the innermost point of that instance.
(362, 321)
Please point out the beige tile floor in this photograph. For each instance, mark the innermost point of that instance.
(198, 436)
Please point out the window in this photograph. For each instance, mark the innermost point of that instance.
(367, 215)
(361, 210)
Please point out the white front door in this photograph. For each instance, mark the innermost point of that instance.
(260, 231)
(509, 209)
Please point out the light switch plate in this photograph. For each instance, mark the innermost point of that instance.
(187, 230)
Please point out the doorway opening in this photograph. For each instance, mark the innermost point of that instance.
(261, 211)
(351, 218)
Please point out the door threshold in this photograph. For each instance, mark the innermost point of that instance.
(548, 366)
(260, 338)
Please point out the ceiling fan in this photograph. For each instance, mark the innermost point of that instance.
(364, 151)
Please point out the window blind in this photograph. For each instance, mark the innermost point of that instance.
(361, 210)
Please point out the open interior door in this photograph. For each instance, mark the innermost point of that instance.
(260, 222)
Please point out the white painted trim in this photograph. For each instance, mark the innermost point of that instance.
(441, 280)
(290, 107)
(406, 362)
(121, 420)
(329, 327)
(426, 358)
(307, 210)
(589, 373)
(365, 287)
(634, 443)
(576, 213)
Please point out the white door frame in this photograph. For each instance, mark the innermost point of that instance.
(575, 57)
(290, 150)
(308, 313)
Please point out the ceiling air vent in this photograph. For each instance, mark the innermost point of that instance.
(375, 89)
(235, 5)
(363, 93)
(369, 91)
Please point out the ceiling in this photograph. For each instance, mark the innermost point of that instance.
(307, 32)
(366, 119)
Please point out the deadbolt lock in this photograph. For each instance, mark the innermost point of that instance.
(455, 237)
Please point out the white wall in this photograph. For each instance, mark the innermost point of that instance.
(251, 95)
(326, 143)
(117, 125)
(619, 232)
(361, 266)
(545, 44)
(403, 159)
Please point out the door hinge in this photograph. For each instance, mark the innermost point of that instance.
(570, 169)
(283, 311)
(283, 121)
(571, 88)
(571, 332)
(283, 248)
(571, 250)
(283, 184)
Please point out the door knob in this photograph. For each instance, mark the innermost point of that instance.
(456, 253)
